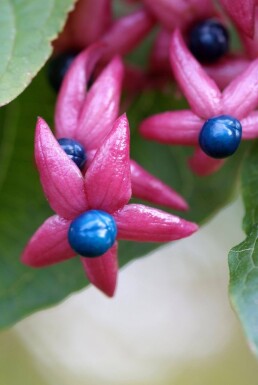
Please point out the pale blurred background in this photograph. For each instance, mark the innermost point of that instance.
(170, 323)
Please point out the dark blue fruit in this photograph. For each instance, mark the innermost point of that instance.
(93, 233)
(57, 68)
(74, 150)
(220, 136)
(209, 41)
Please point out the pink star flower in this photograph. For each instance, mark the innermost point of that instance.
(106, 186)
(88, 116)
(184, 15)
(239, 99)
(92, 21)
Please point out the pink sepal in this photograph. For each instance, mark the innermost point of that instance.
(176, 127)
(146, 186)
(108, 178)
(241, 96)
(101, 106)
(92, 18)
(49, 244)
(203, 165)
(159, 60)
(174, 13)
(226, 70)
(102, 271)
(126, 33)
(135, 80)
(73, 91)
(251, 44)
(166, 12)
(145, 224)
(61, 179)
(200, 90)
(85, 25)
(250, 126)
(242, 12)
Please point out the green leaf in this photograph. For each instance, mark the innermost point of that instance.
(250, 188)
(27, 28)
(23, 206)
(243, 258)
(243, 264)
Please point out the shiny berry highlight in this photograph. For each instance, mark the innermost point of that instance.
(74, 150)
(220, 136)
(92, 233)
(209, 41)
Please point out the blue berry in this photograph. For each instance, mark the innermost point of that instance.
(58, 67)
(209, 41)
(93, 233)
(74, 150)
(220, 136)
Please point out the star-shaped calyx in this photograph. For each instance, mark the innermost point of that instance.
(235, 104)
(207, 33)
(92, 210)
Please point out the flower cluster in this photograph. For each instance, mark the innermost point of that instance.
(85, 167)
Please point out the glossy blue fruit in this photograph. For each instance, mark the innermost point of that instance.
(57, 68)
(208, 41)
(74, 150)
(220, 136)
(93, 233)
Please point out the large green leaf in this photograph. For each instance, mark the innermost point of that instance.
(243, 258)
(243, 264)
(26, 29)
(23, 207)
(250, 188)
